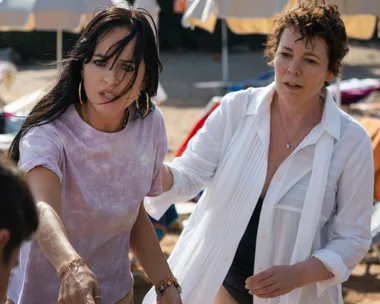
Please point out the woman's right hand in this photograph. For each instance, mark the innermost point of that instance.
(79, 286)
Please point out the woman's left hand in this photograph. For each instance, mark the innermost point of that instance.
(171, 296)
(274, 282)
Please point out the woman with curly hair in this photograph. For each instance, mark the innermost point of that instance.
(286, 213)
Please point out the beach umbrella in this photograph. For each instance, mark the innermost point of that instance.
(48, 15)
(240, 16)
(360, 17)
(256, 17)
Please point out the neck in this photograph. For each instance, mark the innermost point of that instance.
(99, 122)
(295, 113)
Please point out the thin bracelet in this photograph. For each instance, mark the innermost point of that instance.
(63, 270)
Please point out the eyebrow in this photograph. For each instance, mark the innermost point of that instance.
(307, 53)
(122, 60)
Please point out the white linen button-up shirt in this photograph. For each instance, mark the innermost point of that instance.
(229, 157)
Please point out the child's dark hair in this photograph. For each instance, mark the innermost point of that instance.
(18, 212)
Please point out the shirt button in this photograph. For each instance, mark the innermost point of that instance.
(263, 236)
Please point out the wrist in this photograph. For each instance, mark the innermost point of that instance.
(301, 273)
(67, 267)
(165, 285)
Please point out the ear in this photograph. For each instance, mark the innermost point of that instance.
(4, 237)
(330, 77)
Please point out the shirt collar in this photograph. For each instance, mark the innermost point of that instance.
(330, 121)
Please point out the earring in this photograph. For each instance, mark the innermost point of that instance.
(146, 102)
(137, 101)
(80, 93)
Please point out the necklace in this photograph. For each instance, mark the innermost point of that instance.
(288, 144)
(125, 121)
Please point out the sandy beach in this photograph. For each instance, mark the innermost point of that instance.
(185, 106)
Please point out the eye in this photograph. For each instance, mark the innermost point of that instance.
(311, 61)
(285, 54)
(128, 68)
(99, 62)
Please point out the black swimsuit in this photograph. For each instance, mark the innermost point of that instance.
(242, 265)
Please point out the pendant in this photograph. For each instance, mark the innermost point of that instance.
(287, 146)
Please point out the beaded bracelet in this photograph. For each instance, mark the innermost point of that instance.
(63, 270)
(165, 284)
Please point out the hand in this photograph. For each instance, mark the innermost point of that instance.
(274, 282)
(79, 286)
(171, 296)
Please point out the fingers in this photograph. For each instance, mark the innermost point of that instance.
(260, 280)
(96, 293)
(264, 286)
(98, 299)
(264, 290)
(259, 277)
(62, 293)
(274, 294)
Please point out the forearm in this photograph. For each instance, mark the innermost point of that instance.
(146, 248)
(312, 271)
(52, 238)
(167, 178)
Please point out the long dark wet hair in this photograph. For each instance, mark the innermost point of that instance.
(65, 92)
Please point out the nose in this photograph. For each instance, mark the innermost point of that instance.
(294, 68)
(111, 77)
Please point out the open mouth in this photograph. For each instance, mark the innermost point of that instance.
(107, 97)
(292, 85)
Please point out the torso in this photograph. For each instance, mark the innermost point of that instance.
(104, 179)
(278, 152)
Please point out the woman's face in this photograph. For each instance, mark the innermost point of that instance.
(103, 82)
(300, 69)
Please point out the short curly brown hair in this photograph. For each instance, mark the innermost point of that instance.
(312, 20)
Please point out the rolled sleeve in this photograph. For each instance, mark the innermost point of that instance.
(350, 236)
(334, 263)
(157, 206)
(38, 148)
(161, 151)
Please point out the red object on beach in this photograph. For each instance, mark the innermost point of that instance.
(195, 129)
(179, 6)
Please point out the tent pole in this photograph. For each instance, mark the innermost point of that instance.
(225, 53)
(59, 49)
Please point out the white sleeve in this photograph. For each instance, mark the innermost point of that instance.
(197, 165)
(351, 229)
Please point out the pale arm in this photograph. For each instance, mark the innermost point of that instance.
(146, 248)
(51, 234)
(312, 271)
(167, 178)
(79, 282)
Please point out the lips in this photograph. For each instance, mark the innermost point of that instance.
(292, 85)
(107, 96)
